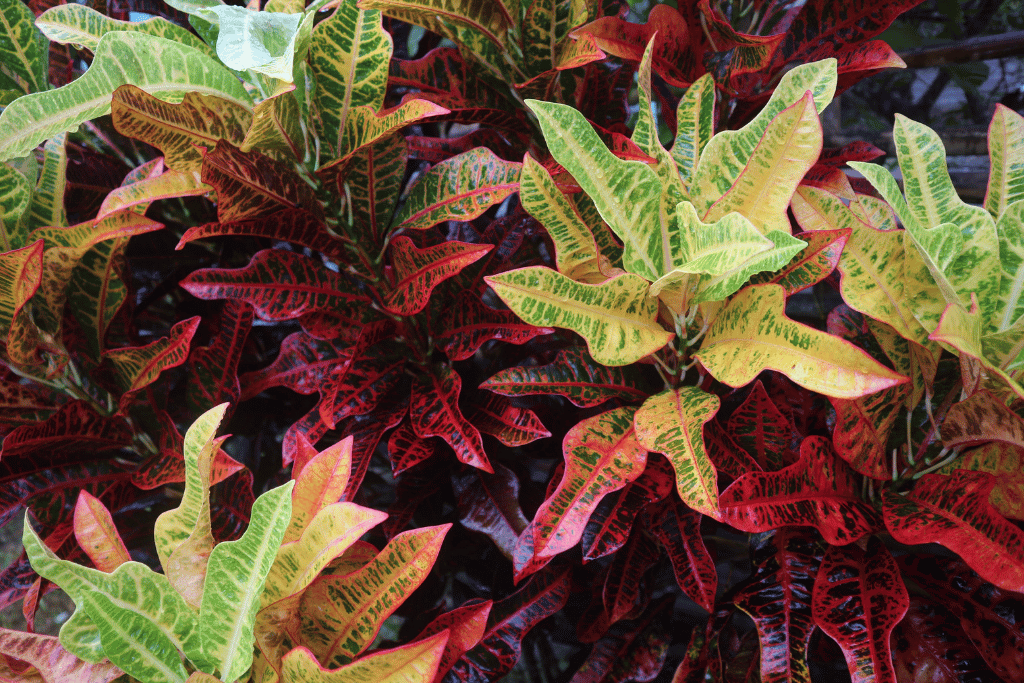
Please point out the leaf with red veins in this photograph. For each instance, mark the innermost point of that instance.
(407, 448)
(418, 271)
(813, 264)
(863, 426)
(625, 575)
(489, 504)
(74, 426)
(630, 650)
(778, 599)
(929, 644)
(509, 424)
(97, 535)
(608, 528)
(761, 429)
(602, 454)
(466, 626)
(726, 455)
(139, 366)
(468, 324)
(213, 369)
(980, 418)
(297, 226)
(859, 597)
(955, 512)
(280, 285)
(302, 365)
(337, 387)
(677, 528)
(435, 412)
(818, 490)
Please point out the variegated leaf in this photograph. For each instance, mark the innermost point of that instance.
(1010, 226)
(602, 454)
(465, 626)
(139, 366)
(319, 482)
(752, 334)
(24, 50)
(250, 184)
(373, 184)
(460, 189)
(434, 411)
(1004, 461)
(52, 661)
(276, 128)
(97, 535)
(487, 22)
(21, 272)
(138, 195)
(677, 528)
(672, 423)
(97, 292)
(157, 65)
(413, 663)
(235, 577)
(616, 318)
(955, 512)
(1006, 166)
(365, 125)
(418, 271)
(15, 197)
(508, 423)
(47, 206)
(694, 127)
(341, 615)
(961, 330)
(469, 324)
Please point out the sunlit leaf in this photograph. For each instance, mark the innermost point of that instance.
(1006, 168)
(413, 663)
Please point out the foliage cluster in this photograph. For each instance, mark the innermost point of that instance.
(434, 258)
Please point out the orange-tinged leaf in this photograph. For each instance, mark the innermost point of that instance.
(1006, 462)
(413, 663)
(979, 418)
(97, 535)
(418, 271)
(602, 454)
(465, 626)
(365, 126)
(955, 512)
(138, 195)
(21, 271)
(342, 615)
(52, 661)
(318, 483)
(961, 329)
(460, 189)
(180, 131)
(139, 366)
(817, 490)
(672, 423)
(752, 334)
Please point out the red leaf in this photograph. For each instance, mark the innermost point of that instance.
(213, 369)
(863, 426)
(489, 504)
(249, 184)
(574, 375)
(761, 429)
(988, 615)
(858, 598)
(610, 524)
(139, 366)
(955, 512)
(818, 490)
(469, 323)
(52, 661)
(930, 645)
(355, 386)
(778, 599)
(168, 466)
(812, 265)
(980, 418)
(466, 626)
(297, 226)
(302, 364)
(281, 285)
(407, 448)
(435, 412)
(511, 425)
(436, 150)
(74, 426)
(725, 454)
(631, 650)
(677, 528)
(97, 535)
(625, 575)
(510, 620)
(420, 270)
(601, 455)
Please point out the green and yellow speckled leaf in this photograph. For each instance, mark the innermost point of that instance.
(545, 32)
(277, 128)
(695, 119)
(626, 193)
(328, 535)
(1006, 160)
(602, 454)
(15, 196)
(47, 206)
(1010, 228)
(962, 330)
(180, 130)
(459, 189)
(727, 154)
(645, 135)
(234, 582)
(365, 125)
(487, 21)
(21, 271)
(764, 186)
(142, 622)
(617, 318)
(82, 25)
(138, 366)
(672, 423)
(138, 195)
(413, 663)
(341, 615)
(576, 254)
(752, 333)
(159, 66)
(373, 184)
(716, 287)
(349, 56)
(24, 51)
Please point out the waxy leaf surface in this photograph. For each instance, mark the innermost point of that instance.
(418, 271)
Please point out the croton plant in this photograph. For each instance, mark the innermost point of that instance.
(493, 296)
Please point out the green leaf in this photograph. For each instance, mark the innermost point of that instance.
(413, 663)
(21, 271)
(695, 119)
(1006, 161)
(672, 423)
(159, 66)
(459, 189)
(15, 197)
(627, 193)
(545, 33)
(617, 318)
(480, 26)
(24, 51)
(1010, 228)
(235, 576)
(752, 334)
(48, 199)
(251, 39)
(717, 287)
(82, 25)
(349, 56)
